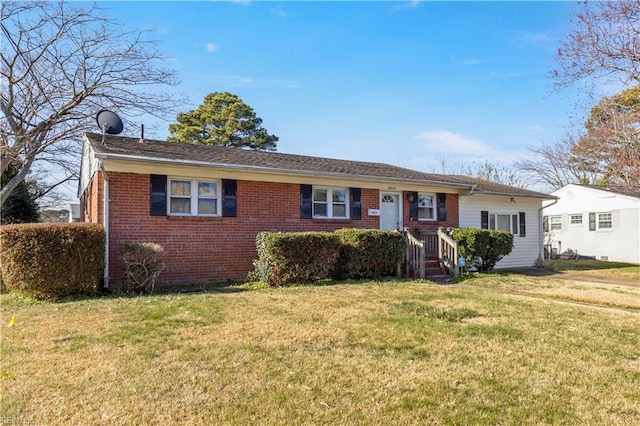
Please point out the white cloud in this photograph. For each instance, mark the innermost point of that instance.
(525, 39)
(407, 5)
(244, 81)
(211, 47)
(495, 74)
(279, 11)
(446, 141)
(472, 61)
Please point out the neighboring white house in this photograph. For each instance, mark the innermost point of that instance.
(519, 211)
(594, 221)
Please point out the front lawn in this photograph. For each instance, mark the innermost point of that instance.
(595, 268)
(578, 290)
(373, 353)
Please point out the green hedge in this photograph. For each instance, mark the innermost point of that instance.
(295, 257)
(483, 247)
(311, 256)
(368, 253)
(52, 260)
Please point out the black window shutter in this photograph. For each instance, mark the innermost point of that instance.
(442, 207)
(592, 221)
(229, 198)
(484, 219)
(545, 223)
(413, 206)
(356, 204)
(523, 226)
(306, 201)
(158, 195)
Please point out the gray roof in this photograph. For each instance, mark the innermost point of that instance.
(126, 148)
(622, 190)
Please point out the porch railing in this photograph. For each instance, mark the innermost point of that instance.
(414, 255)
(437, 244)
(448, 252)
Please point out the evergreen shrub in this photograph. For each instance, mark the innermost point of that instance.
(295, 257)
(52, 260)
(482, 247)
(368, 253)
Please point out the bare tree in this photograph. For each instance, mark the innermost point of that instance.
(485, 170)
(61, 64)
(605, 42)
(551, 165)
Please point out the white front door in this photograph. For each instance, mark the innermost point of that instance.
(390, 211)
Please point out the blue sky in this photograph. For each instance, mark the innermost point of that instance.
(406, 83)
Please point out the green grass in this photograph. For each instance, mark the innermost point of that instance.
(365, 353)
(595, 268)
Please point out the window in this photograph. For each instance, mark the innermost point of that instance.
(555, 223)
(193, 197)
(330, 202)
(504, 222)
(575, 219)
(605, 221)
(426, 206)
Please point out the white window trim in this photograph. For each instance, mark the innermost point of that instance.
(434, 216)
(576, 224)
(598, 228)
(330, 202)
(551, 223)
(515, 231)
(194, 197)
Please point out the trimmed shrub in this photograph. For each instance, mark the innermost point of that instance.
(483, 247)
(142, 265)
(368, 253)
(49, 261)
(294, 257)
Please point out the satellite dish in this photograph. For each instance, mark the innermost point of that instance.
(109, 122)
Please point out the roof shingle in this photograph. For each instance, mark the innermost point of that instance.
(171, 152)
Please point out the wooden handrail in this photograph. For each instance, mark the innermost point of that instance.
(448, 252)
(414, 254)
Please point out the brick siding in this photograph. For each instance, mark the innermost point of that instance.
(216, 249)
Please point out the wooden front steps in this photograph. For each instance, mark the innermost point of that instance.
(434, 271)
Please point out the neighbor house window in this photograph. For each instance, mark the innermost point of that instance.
(330, 203)
(555, 223)
(605, 221)
(503, 222)
(575, 219)
(426, 206)
(193, 197)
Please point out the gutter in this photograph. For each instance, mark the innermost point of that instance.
(105, 219)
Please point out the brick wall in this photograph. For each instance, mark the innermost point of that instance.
(214, 249)
(452, 217)
(91, 201)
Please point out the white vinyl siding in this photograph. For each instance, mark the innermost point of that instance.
(525, 249)
(615, 230)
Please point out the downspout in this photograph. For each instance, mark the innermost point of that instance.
(541, 230)
(105, 219)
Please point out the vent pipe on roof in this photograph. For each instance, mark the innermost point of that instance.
(141, 133)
